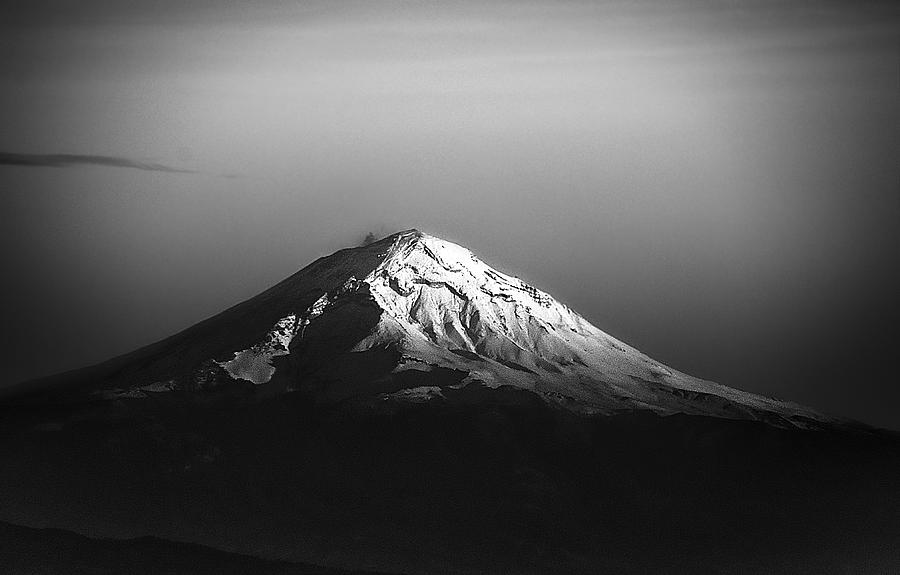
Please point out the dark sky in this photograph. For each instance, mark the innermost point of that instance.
(716, 183)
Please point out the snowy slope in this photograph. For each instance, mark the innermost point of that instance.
(440, 306)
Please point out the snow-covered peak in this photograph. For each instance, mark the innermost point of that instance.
(436, 306)
(456, 299)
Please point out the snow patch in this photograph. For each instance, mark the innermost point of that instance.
(421, 394)
(136, 392)
(160, 386)
(255, 364)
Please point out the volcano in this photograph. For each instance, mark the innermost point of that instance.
(403, 407)
(376, 321)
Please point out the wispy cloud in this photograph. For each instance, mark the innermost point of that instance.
(64, 160)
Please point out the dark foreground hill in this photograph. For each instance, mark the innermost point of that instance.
(486, 481)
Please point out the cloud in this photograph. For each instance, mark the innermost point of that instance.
(64, 160)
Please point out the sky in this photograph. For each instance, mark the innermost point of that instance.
(714, 182)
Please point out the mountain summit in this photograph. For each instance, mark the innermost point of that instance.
(412, 318)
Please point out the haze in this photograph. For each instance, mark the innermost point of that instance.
(716, 183)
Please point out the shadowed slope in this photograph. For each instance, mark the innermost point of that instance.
(179, 357)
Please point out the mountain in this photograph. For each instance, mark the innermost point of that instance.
(404, 407)
(413, 308)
